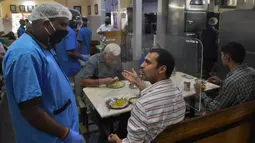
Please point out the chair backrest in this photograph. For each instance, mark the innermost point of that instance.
(252, 95)
(232, 125)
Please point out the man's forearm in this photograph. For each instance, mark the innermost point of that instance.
(40, 120)
(92, 82)
(79, 46)
(100, 33)
(74, 55)
(141, 85)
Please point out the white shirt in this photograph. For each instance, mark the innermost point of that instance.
(160, 106)
(105, 28)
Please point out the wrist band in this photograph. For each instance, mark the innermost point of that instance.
(65, 135)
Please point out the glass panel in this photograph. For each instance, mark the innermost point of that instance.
(187, 52)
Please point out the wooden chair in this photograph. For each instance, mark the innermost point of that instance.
(232, 125)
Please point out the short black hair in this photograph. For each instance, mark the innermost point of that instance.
(236, 51)
(166, 59)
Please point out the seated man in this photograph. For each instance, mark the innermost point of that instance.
(103, 68)
(160, 104)
(239, 82)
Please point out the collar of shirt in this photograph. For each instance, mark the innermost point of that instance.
(101, 57)
(37, 40)
(240, 67)
(159, 84)
(22, 27)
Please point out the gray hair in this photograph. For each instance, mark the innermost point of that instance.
(113, 48)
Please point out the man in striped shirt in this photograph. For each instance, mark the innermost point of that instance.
(160, 104)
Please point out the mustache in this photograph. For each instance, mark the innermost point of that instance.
(141, 71)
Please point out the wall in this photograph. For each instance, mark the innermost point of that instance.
(125, 3)
(150, 7)
(245, 4)
(212, 7)
(6, 4)
(94, 20)
(72, 3)
(6, 10)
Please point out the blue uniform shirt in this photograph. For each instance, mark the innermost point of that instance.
(70, 65)
(85, 36)
(21, 31)
(30, 72)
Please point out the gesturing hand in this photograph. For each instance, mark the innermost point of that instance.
(130, 76)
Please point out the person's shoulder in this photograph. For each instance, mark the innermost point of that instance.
(70, 31)
(95, 57)
(102, 25)
(24, 45)
(87, 29)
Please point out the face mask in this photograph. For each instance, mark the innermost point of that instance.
(56, 36)
(73, 25)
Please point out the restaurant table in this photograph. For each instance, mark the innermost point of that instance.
(98, 96)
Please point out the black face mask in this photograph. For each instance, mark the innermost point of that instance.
(107, 23)
(73, 25)
(57, 37)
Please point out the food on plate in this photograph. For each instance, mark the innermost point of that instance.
(116, 78)
(117, 84)
(203, 86)
(132, 100)
(202, 83)
(118, 103)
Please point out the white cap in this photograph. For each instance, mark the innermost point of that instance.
(213, 21)
(49, 10)
(113, 48)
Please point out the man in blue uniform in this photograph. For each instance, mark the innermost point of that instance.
(21, 29)
(84, 38)
(41, 101)
(66, 50)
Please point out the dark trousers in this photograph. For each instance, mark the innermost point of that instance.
(208, 67)
(121, 130)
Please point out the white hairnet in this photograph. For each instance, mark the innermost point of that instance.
(49, 10)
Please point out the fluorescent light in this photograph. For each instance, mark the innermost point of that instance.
(176, 6)
(28, 3)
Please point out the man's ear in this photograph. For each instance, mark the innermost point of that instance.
(228, 57)
(46, 22)
(162, 69)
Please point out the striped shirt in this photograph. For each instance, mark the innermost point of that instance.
(160, 105)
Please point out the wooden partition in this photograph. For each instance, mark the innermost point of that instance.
(114, 37)
(232, 125)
